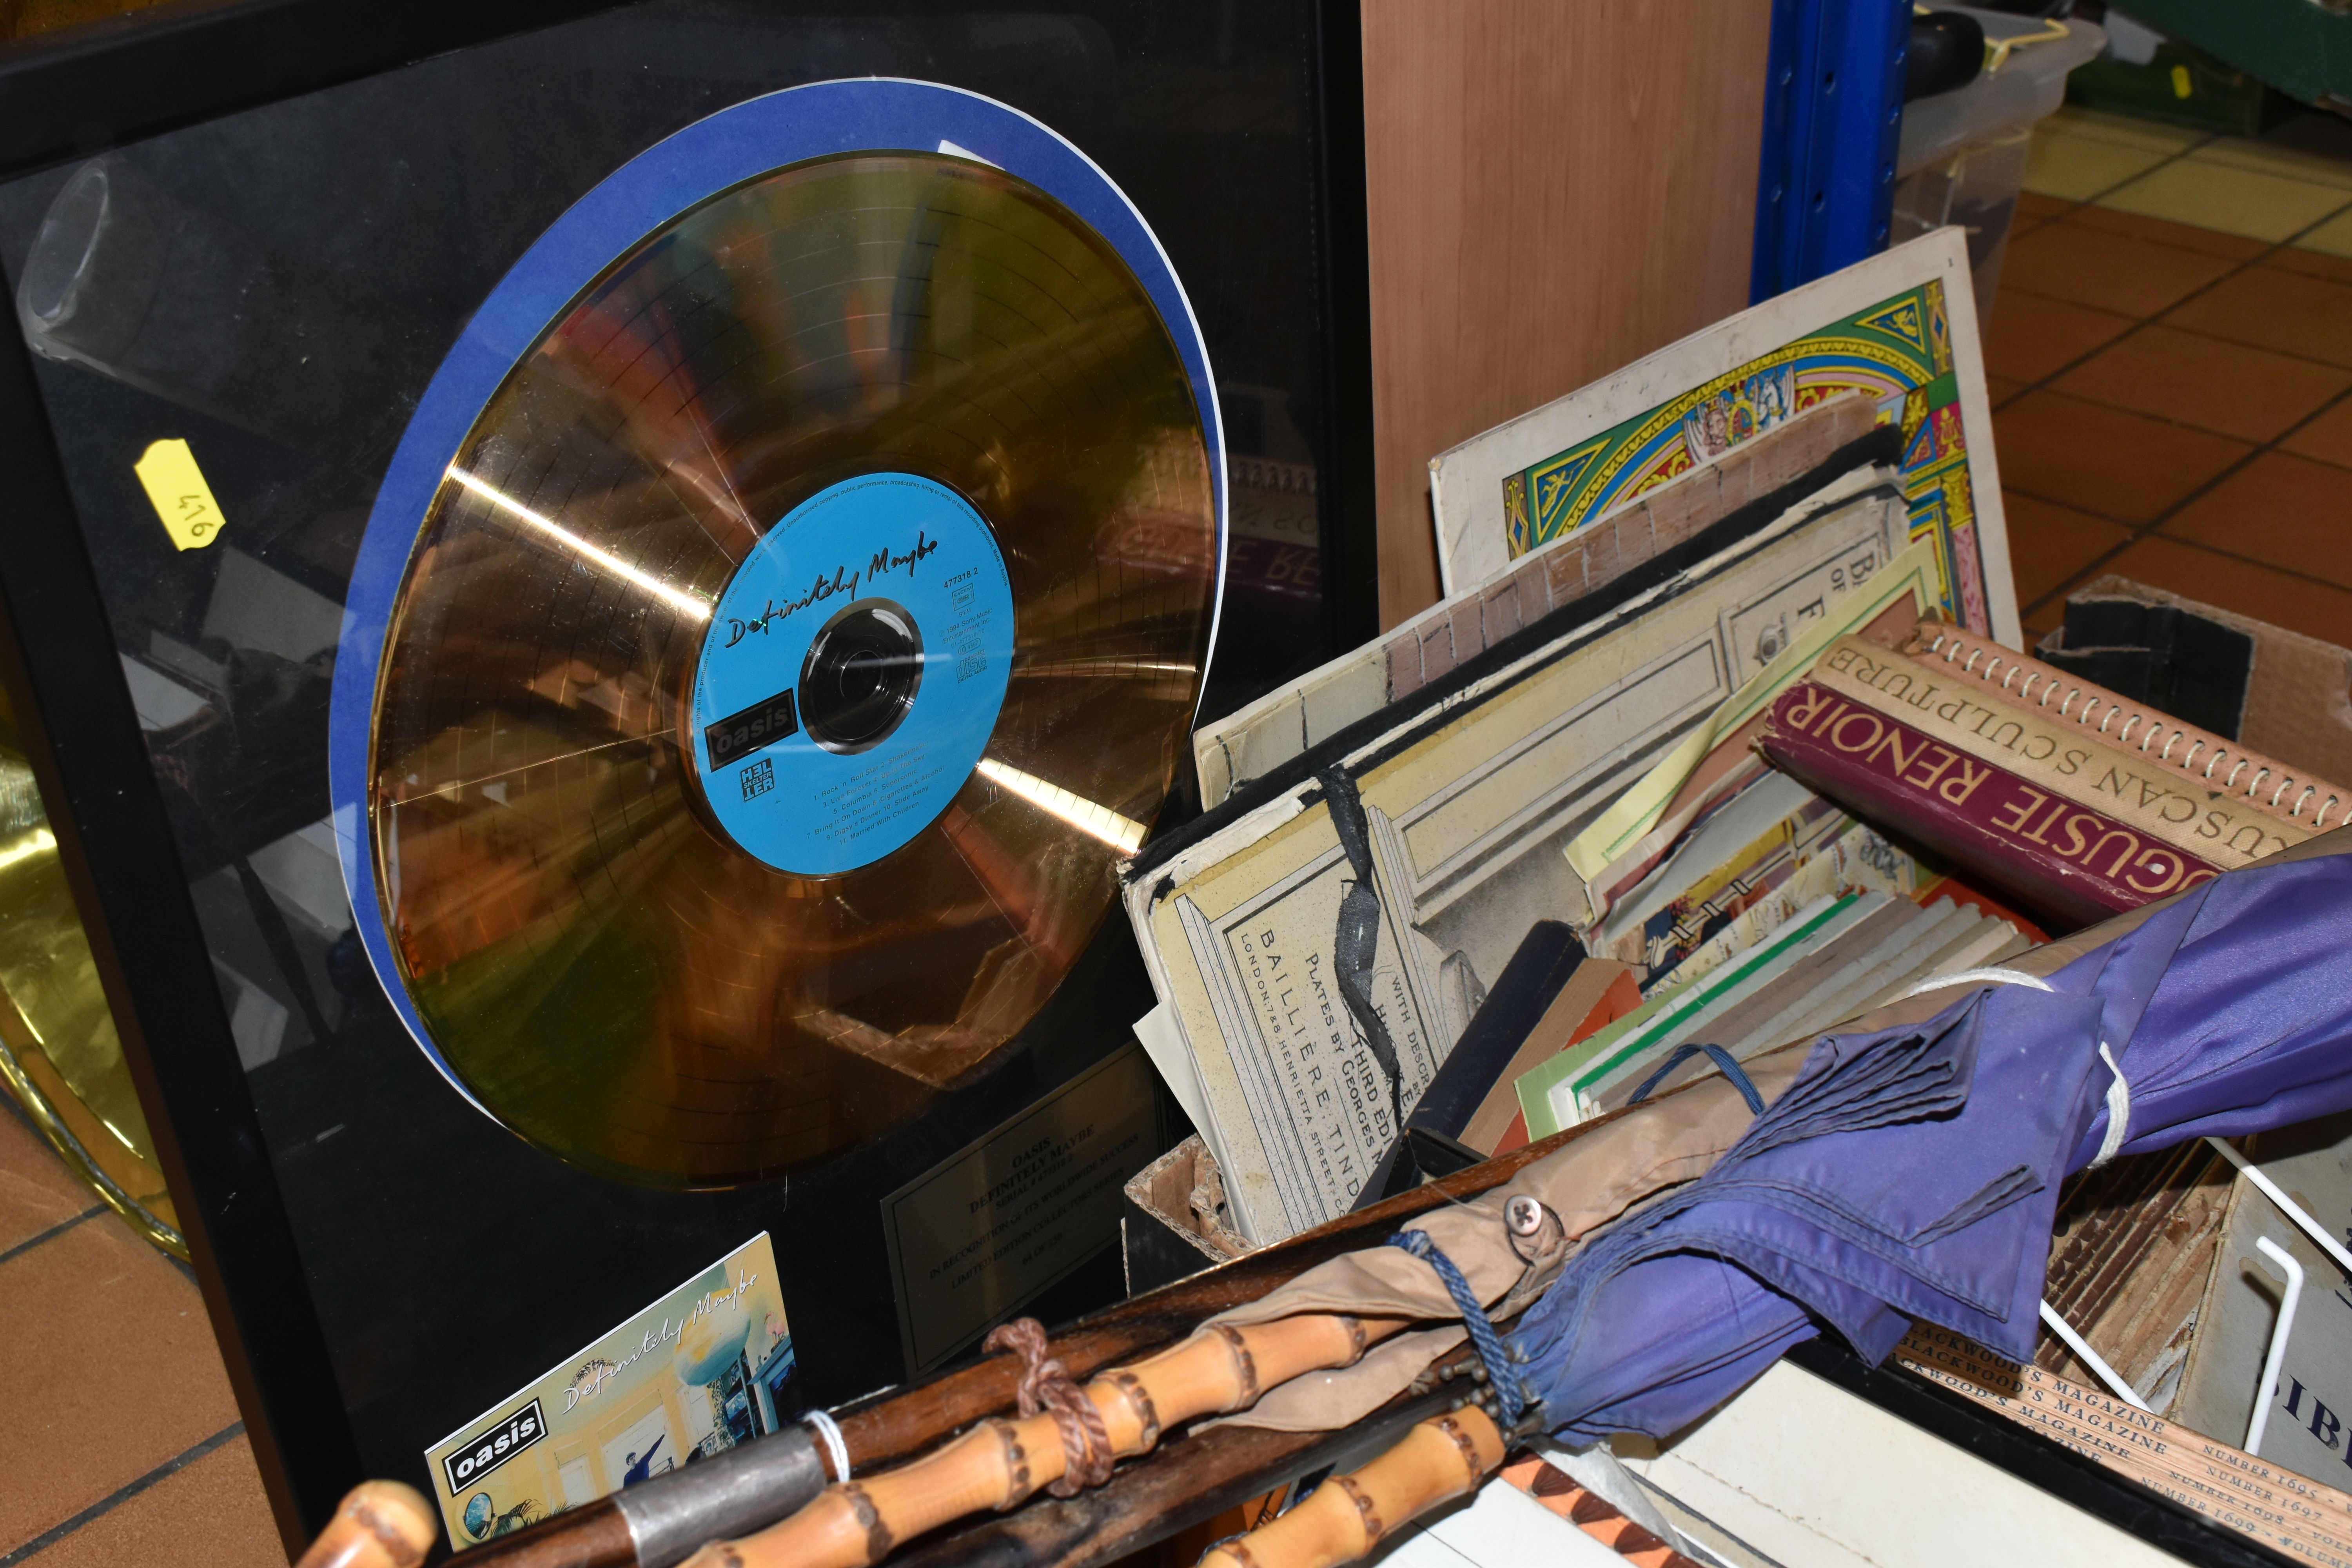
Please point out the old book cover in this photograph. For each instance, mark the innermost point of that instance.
(1754, 852)
(1874, 947)
(1455, 808)
(1618, 850)
(1895, 928)
(1989, 940)
(2041, 845)
(1500, 1125)
(1816, 852)
(1785, 1006)
(1899, 328)
(1620, 853)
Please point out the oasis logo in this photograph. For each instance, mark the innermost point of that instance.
(494, 1447)
(761, 724)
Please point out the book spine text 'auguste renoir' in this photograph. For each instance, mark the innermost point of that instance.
(2032, 840)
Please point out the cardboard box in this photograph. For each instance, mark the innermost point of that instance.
(1171, 1224)
(2297, 704)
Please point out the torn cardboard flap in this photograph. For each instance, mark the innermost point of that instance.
(2298, 699)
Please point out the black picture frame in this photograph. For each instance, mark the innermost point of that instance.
(112, 85)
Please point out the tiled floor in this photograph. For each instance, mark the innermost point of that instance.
(2170, 361)
(112, 1391)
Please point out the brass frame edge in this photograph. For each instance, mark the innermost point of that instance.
(69, 1149)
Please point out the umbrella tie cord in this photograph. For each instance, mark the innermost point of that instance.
(1722, 1059)
(1046, 1385)
(1996, 976)
(1502, 1361)
(2118, 1111)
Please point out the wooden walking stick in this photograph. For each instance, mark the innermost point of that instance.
(1438, 1460)
(1069, 1438)
(379, 1524)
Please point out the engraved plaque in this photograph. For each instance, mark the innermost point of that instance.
(990, 1228)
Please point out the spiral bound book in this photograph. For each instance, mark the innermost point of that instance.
(2081, 807)
(2149, 737)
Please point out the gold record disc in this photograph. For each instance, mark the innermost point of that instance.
(899, 446)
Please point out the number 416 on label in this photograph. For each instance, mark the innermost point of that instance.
(181, 498)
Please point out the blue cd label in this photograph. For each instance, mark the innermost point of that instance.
(852, 673)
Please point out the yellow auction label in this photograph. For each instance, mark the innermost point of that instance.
(181, 498)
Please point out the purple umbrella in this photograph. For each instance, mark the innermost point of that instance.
(1913, 1173)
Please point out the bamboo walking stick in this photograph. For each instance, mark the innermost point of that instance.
(1071, 1440)
(1350, 1515)
(1439, 1461)
(1189, 1479)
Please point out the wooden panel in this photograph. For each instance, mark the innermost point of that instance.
(1555, 187)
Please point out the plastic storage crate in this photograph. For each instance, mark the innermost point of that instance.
(1962, 159)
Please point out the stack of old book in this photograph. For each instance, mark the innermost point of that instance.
(2070, 797)
(1721, 738)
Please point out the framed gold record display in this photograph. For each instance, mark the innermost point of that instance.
(788, 650)
(602, 593)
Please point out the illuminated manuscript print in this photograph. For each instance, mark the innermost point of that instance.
(1897, 352)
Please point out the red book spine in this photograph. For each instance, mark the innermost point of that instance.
(2049, 853)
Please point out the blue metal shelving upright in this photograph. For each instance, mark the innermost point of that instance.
(1832, 117)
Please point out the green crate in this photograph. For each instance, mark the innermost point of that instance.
(2301, 48)
(2182, 85)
